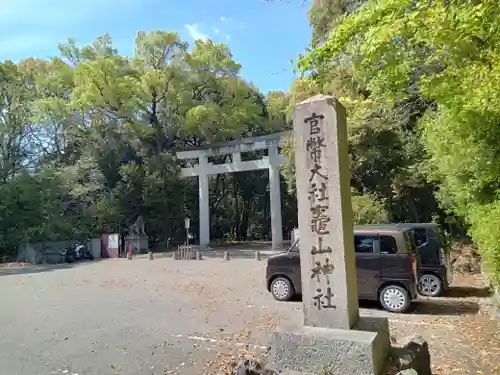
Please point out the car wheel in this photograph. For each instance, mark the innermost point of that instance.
(395, 299)
(282, 289)
(430, 285)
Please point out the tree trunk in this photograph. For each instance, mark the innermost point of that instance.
(414, 206)
(243, 228)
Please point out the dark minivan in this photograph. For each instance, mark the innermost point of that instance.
(386, 268)
(435, 272)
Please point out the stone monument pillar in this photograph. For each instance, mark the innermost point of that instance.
(334, 338)
(325, 215)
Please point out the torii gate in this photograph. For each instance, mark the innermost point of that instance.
(234, 148)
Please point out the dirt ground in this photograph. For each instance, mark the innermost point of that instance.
(119, 317)
(462, 338)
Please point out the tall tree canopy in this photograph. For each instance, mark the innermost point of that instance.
(87, 140)
(386, 152)
(443, 58)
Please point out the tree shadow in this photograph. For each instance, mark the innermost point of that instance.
(422, 307)
(444, 307)
(15, 269)
(468, 291)
(431, 307)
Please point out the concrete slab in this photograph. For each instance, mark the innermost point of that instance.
(319, 351)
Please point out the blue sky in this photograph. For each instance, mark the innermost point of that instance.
(263, 36)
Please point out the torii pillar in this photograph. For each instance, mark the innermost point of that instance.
(275, 198)
(204, 200)
(203, 169)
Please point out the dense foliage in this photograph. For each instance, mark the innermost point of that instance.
(87, 141)
(429, 68)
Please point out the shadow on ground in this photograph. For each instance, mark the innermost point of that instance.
(467, 291)
(15, 269)
(436, 307)
(445, 307)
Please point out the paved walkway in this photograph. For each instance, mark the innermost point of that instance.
(141, 317)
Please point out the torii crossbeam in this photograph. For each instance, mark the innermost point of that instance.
(203, 169)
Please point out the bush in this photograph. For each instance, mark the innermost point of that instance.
(367, 209)
(484, 230)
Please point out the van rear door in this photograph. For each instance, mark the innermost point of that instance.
(427, 246)
(444, 252)
(398, 256)
(368, 264)
(412, 248)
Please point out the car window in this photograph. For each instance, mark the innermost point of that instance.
(364, 244)
(388, 245)
(295, 247)
(420, 236)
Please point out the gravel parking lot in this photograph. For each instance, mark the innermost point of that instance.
(141, 317)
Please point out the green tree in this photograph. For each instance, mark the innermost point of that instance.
(447, 53)
(367, 209)
(104, 128)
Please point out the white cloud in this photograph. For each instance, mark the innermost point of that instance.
(216, 31)
(195, 32)
(222, 18)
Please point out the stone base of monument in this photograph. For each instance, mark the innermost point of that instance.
(363, 350)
